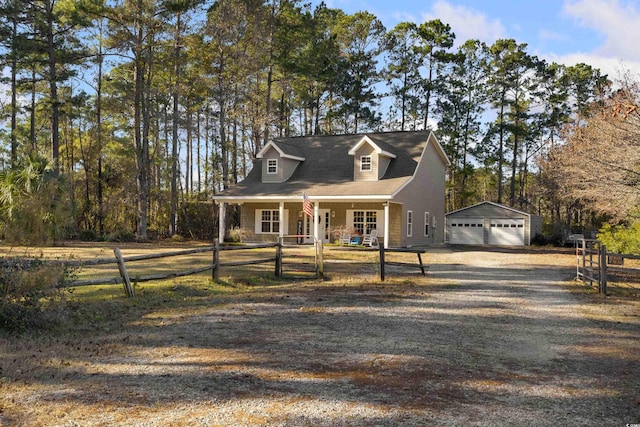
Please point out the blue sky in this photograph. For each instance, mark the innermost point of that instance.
(602, 33)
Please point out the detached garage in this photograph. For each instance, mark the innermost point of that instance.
(489, 223)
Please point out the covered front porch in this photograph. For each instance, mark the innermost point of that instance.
(270, 220)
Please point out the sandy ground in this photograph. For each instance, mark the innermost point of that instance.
(486, 338)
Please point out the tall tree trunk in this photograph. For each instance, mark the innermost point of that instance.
(428, 99)
(188, 178)
(501, 148)
(207, 153)
(267, 119)
(14, 89)
(99, 137)
(224, 155)
(53, 89)
(174, 136)
(198, 148)
(142, 152)
(234, 153)
(32, 111)
(404, 101)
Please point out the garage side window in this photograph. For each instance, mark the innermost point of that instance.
(426, 224)
(409, 223)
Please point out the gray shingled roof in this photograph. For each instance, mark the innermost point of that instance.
(289, 148)
(328, 168)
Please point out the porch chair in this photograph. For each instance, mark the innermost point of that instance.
(370, 239)
(345, 238)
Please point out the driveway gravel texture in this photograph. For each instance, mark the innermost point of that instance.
(495, 337)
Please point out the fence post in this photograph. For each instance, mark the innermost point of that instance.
(319, 259)
(123, 273)
(381, 247)
(278, 272)
(603, 269)
(215, 271)
(578, 260)
(420, 262)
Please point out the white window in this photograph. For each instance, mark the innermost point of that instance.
(358, 222)
(363, 221)
(409, 223)
(272, 166)
(267, 221)
(427, 219)
(365, 163)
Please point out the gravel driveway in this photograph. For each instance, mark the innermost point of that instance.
(487, 338)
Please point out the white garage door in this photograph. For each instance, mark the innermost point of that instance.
(466, 231)
(507, 232)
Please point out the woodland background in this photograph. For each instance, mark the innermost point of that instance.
(121, 118)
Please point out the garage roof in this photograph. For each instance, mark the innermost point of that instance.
(494, 205)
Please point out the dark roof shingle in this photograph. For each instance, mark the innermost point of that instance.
(328, 168)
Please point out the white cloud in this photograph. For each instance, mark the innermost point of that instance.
(467, 23)
(614, 68)
(617, 22)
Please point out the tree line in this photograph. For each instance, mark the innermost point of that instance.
(123, 115)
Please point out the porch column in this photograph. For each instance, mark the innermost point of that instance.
(316, 224)
(222, 215)
(281, 216)
(386, 225)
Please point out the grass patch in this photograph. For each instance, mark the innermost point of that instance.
(106, 307)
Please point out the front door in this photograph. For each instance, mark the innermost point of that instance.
(324, 226)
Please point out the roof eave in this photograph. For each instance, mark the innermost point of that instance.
(275, 198)
(273, 145)
(376, 147)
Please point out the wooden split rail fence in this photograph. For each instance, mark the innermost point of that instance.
(593, 263)
(384, 262)
(215, 265)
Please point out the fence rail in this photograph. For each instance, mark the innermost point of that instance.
(384, 262)
(214, 266)
(594, 263)
(317, 262)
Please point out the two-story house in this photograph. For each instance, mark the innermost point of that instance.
(393, 182)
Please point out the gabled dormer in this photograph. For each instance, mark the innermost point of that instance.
(371, 159)
(279, 161)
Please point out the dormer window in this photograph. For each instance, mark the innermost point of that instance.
(365, 163)
(279, 161)
(272, 166)
(371, 159)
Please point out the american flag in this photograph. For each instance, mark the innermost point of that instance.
(307, 208)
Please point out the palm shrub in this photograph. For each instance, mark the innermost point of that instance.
(35, 206)
(31, 293)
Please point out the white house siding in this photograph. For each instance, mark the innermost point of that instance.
(425, 193)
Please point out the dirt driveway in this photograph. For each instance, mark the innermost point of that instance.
(487, 338)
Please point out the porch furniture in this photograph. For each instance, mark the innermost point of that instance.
(370, 239)
(345, 238)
